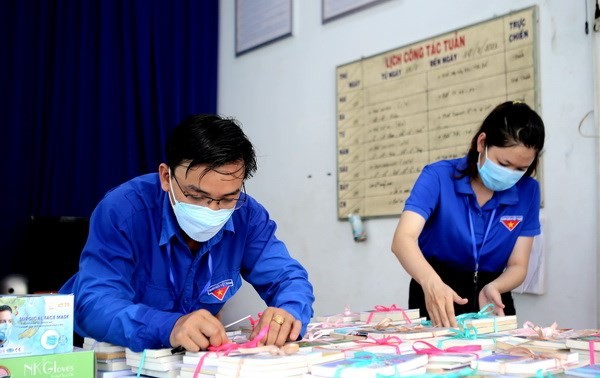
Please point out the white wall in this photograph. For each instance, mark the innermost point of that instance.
(284, 95)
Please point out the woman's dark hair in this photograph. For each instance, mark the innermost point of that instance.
(207, 139)
(509, 124)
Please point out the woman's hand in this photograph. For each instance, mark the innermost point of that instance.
(490, 294)
(439, 300)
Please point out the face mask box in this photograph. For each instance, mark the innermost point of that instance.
(76, 364)
(38, 324)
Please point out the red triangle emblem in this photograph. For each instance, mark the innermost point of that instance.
(220, 292)
(511, 222)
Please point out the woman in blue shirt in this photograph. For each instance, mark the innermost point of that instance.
(166, 250)
(467, 228)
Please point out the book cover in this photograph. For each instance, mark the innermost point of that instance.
(585, 371)
(370, 365)
(513, 364)
(410, 333)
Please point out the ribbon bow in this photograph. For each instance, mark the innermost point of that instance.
(393, 341)
(379, 308)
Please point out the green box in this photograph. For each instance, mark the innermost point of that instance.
(77, 364)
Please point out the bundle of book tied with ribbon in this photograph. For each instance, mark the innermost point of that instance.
(251, 360)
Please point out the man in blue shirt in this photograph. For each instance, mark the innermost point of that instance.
(166, 250)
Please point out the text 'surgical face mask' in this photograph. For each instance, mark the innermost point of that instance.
(5, 329)
(199, 223)
(495, 177)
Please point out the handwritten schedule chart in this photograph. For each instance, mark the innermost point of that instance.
(400, 110)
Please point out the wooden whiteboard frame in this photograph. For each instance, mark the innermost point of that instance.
(402, 109)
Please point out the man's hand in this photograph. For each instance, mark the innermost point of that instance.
(197, 331)
(283, 327)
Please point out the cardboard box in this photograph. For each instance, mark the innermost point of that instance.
(32, 325)
(77, 364)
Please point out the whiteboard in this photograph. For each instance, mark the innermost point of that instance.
(402, 109)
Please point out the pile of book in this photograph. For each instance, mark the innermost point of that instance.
(159, 363)
(110, 358)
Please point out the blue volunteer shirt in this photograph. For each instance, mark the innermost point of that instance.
(445, 202)
(137, 276)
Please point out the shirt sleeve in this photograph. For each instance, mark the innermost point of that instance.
(531, 221)
(280, 280)
(104, 295)
(425, 193)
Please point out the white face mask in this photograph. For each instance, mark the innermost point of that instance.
(199, 223)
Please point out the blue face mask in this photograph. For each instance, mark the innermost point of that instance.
(198, 222)
(496, 177)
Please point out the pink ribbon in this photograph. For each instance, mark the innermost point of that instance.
(432, 350)
(227, 348)
(592, 350)
(253, 321)
(379, 308)
(385, 341)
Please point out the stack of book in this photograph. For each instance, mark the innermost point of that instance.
(588, 347)
(110, 358)
(160, 363)
(198, 365)
(505, 363)
(372, 365)
(393, 313)
(409, 332)
(490, 324)
(448, 362)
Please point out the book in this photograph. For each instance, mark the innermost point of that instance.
(410, 333)
(150, 353)
(584, 342)
(490, 324)
(513, 364)
(157, 374)
(100, 346)
(370, 365)
(585, 371)
(165, 363)
(109, 355)
(112, 365)
(556, 350)
(444, 342)
(307, 345)
(393, 313)
(116, 373)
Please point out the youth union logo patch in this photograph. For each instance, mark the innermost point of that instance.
(219, 290)
(511, 221)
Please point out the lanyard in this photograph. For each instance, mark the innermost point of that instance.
(477, 252)
(172, 279)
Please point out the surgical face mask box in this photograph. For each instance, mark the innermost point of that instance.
(76, 364)
(32, 325)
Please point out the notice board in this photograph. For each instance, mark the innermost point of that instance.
(402, 109)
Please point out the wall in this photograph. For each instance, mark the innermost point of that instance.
(284, 95)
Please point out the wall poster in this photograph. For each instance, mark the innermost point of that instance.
(402, 109)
